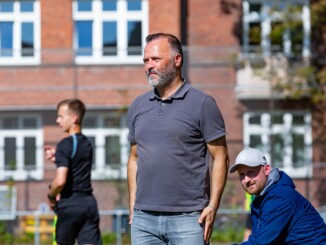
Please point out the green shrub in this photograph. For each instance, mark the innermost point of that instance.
(228, 234)
(109, 238)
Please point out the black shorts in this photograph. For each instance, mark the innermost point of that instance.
(78, 218)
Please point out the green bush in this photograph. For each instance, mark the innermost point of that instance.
(109, 238)
(228, 234)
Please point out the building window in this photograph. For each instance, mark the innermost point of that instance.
(109, 31)
(19, 32)
(8, 201)
(271, 27)
(285, 138)
(21, 147)
(108, 135)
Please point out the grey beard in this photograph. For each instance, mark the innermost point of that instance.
(163, 80)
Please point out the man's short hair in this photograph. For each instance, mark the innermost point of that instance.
(173, 41)
(76, 106)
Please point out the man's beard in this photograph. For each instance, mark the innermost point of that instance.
(164, 77)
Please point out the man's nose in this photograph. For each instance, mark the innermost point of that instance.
(247, 178)
(149, 65)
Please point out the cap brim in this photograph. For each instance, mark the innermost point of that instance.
(236, 165)
(234, 168)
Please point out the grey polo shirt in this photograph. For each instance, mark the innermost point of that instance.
(171, 137)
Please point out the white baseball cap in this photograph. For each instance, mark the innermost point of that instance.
(249, 157)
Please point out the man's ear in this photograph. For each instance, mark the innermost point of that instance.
(178, 60)
(75, 119)
(267, 169)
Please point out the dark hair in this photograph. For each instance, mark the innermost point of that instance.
(173, 41)
(76, 106)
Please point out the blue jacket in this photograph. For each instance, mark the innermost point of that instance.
(281, 215)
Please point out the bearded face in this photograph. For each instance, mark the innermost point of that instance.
(161, 77)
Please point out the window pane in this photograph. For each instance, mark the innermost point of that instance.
(254, 36)
(112, 122)
(6, 38)
(254, 120)
(27, 6)
(298, 120)
(84, 5)
(90, 122)
(134, 5)
(84, 38)
(134, 38)
(297, 37)
(110, 38)
(276, 36)
(112, 150)
(10, 153)
(6, 6)
(27, 43)
(254, 7)
(277, 119)
(29, 123)
(30, 153)
(92, 140)
(255, 142)
(298, 150)
(109, 5)
(10, 123)
(277, 150)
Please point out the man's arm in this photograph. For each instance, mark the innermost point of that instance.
(132, 172)
(275, 221)
(57, 185)
(219, 171)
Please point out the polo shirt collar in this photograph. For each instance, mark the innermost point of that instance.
(179, 94)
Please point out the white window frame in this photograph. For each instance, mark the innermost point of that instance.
(20, 173)
(266, 19)
(101, 170)
(18, 17)
(121, 16)
(265, 129)
(9, 207)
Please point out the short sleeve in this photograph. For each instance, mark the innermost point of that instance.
(63, 152)
(130, 123)
(212, 122)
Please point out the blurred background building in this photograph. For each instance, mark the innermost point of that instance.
(262, 61)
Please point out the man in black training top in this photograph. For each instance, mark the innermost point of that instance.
(70, 193)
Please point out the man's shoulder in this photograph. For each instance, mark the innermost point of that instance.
(141, 99)
(197, 91)
(65, 141)
(200, 96)
(145, 95)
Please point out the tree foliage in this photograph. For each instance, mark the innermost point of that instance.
(308, 78)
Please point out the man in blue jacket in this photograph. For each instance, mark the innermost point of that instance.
(279, 213)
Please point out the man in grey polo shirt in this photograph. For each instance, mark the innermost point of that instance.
(174, 195)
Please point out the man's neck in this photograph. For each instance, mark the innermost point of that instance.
(167, 91)
(75, 129)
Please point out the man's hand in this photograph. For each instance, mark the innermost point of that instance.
(131, 214)
(207, 218)
(49, 153)
(53, 200)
